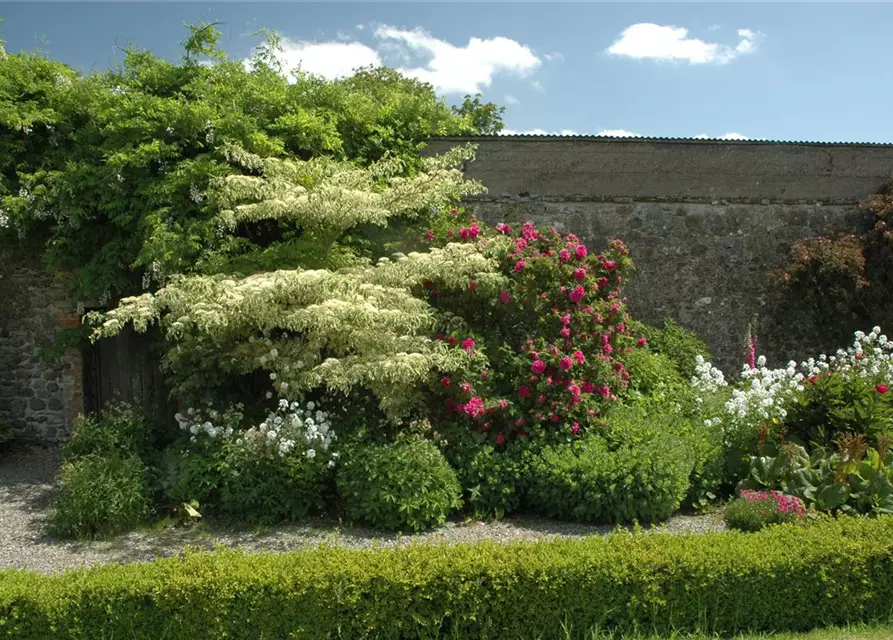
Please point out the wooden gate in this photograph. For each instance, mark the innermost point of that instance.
(125, 368)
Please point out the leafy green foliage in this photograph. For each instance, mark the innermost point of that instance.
(590, 482)
(783, 579)
(635, 424)
(406, 484)
(119, 428)
(100, 495)
(675, 343)
(855, 480)
(269, 489)
(837, 403)
(493, 480)
(110, 173)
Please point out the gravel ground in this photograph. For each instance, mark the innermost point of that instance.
(26, 487)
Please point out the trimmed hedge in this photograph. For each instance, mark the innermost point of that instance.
(784, 578)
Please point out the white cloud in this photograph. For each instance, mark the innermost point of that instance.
(537, 86)
(328, 59)
(510, 99)
(467, 69)
(726, 136)
(550, 57)
(538, 132)
(646, 40)
(619, 133)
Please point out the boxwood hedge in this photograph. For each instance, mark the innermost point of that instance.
(784, 578)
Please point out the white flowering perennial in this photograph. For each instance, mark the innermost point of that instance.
(764, 395)
(208, 422)
(292, 429)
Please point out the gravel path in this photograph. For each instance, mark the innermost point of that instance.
(26, 486)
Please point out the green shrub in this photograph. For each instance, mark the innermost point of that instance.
(651, 372)
(589, 482)
(192, 474)
(754, 510)
(678, 344)
(100, 495)
(493, 480)
(119, 428)
(636, 423)
(267, 489)
(406, 484)
(834, 572)
(837, 403)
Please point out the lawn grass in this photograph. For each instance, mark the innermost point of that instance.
(853, 632)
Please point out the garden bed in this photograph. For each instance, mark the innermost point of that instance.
(27, 483)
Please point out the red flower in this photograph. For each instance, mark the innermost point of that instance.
(430, 236)
(500, 439)
(588, 387)
(472, 285)
(566, 363)
(445, 382)
(881, 388)
(579, 274)
(642, 342)
(466, 387)
(554, 418)
(474, 230)
(574, 389)
(524, 391)
(610, 264)
(565, 331)
(579, 357)
(564, 255)
(575, 428)
(519, 266)
(538, 366)
(581, 251)
(502, 227)
(463, 233)
(566, 318)
(577, 294)
(603, 282)
(468, 344)
(504, 296)
(475, 407)
(451, 340)
(502, 403)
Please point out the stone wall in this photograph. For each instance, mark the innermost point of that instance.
(705, 220)
(40, 396)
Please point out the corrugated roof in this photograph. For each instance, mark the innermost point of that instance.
(558, 137)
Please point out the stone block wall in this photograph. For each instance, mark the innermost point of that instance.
(705, 221)
(40, 396)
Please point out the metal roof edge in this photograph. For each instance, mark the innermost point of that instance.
(641, 139)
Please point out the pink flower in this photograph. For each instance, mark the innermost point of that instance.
(430, 236)
(579, 274)
(445, 382)
(588, 386)
(519, 422)
(463, 233)
(504, 296)
(519, 266)
(524, 391)
(604, 391)
(577, 294)
(610, 264)
(882, 389)
(579, 357)
(575, 428)
(565, 331)
(566, 318)
(502, 403)
(564, 255)
(581, 251)
(566, 363)
(541, 398)
(500, 439)
(574, 389)
(554, 418)
(468, 344)
(475, 407)
(502, 227)
(528, 231)
(466, 387)
(602, 282)
(538, 367)
(521, 243)
(642, 341)
(451, 340)
(474, 231)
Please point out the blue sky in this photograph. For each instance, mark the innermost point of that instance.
(794, 71)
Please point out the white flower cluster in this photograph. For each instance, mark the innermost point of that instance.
(213, 423)
(4, 219)
(308, 429)
(764, 394)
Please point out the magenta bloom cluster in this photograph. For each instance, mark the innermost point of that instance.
(780, 502)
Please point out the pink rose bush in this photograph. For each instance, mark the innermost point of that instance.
(546, 341)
